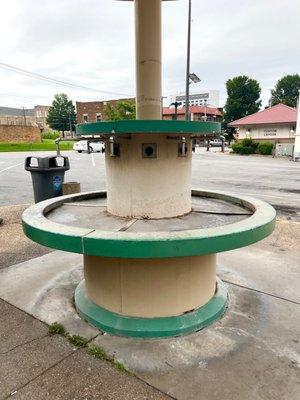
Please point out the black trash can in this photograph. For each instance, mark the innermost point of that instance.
(47, 175)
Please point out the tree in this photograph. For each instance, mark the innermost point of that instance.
(286, 91)
(124, 109)
(242, 99)
(61, 114)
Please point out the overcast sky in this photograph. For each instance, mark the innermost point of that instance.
(91, 43)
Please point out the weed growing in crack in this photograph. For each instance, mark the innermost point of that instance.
(56, 329)
(78, 341)
(99, 353)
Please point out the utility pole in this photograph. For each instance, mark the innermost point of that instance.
(70, 123)
(24, 115)
(187, 83)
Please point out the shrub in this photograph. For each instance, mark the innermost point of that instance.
(246, 146)
(236, 148)
(50, 135)
(265, 148)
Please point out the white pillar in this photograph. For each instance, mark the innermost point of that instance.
(297, 135)
(137, 186)
(148, 58)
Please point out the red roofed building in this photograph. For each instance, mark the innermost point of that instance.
(276, 124)
(198, 113)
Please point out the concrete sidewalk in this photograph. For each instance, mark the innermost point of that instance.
(252, 353)
(34, 365)
(37, 366)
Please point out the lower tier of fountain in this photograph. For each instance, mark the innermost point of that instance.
(149, 277)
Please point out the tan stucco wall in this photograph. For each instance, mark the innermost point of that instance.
(272, 132)
(149, 187)
(150, 288)
(19, 134)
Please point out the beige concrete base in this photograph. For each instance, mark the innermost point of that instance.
(150, 288)
(149, 187)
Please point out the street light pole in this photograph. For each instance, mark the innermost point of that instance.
(70, 123)
(176, 104)
(187, 83)
(24, 115)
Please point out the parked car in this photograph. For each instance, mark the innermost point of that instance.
(81, 146)
(216, 143)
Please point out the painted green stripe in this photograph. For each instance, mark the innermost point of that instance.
(176, 247)
(54, 240)
(147, 126)
(163, 327)
(151, 244)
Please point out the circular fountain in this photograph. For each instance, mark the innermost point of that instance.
(150, 242)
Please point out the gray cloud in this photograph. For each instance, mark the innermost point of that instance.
(91, 43)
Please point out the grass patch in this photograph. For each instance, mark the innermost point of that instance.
(78, 341)
(120, 367)
(99, 353)
(56, 329)
(81, 342)
(45, 145)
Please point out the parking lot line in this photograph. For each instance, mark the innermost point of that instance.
(93, 160)
(12, 166)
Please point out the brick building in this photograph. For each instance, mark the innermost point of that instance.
(36, 116)
(93, 111)
(198, 113)
(20, 134)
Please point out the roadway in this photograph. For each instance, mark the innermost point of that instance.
(274, 180)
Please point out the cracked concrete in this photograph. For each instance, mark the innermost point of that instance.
(251, 353)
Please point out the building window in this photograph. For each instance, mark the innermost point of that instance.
(85, 117)
(99, 117)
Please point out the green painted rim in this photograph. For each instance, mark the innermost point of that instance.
(149, 244)
(147, 126)
(148, 328)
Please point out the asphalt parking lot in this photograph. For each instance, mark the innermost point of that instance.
(276, 181)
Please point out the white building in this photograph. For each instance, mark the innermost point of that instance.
(276, 124)
(208, 98)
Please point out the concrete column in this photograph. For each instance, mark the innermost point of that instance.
(148, 58)
(150, 288)
(297, 135)
(149, 187)
(137, 186)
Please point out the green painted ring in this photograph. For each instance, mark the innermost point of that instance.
(162, 327)
(147, 126)
(149, 244)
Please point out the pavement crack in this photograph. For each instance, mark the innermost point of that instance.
(127, 225)
(220, 212)
(262, 292)
(23, 344)
(41, 374)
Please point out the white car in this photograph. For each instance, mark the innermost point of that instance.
(82, 145)
(217, 143)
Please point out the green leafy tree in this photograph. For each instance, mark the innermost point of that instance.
(61, 113)
(243, 95)
(286, 91)
(124, 109)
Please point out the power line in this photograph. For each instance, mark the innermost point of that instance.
(21, 71)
